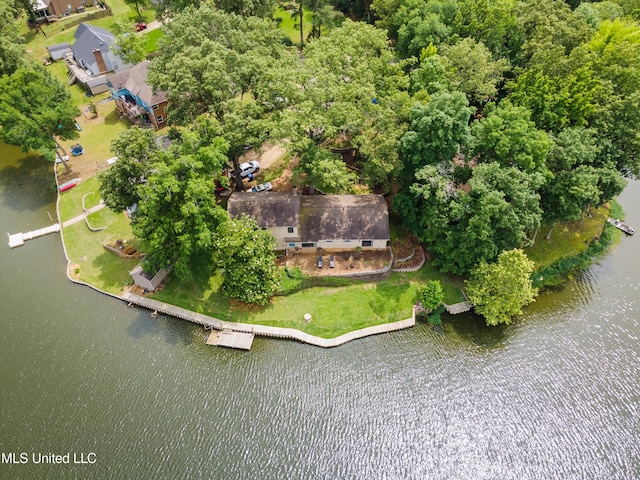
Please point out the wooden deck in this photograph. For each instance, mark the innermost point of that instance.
(231, 339)
(458, 307)
(277, 332)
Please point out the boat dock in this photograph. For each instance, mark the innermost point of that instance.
(457, 308)
(18, 239)
(621, 226)
(231, 339)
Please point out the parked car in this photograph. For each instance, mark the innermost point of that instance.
(249, 168)
(263, 187)
(139, 26)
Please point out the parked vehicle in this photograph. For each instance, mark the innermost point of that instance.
(139, 26)
(249, 168)
(263, 187)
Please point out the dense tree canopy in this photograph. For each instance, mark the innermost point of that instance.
(245, 254)
(498, 291)
(34, 109)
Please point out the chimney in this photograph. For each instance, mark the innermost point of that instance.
(102, 67)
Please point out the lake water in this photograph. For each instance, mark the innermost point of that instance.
(554, 396)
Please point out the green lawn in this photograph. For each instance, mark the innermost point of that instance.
(567, 238)
(289, 25)
(91, 262)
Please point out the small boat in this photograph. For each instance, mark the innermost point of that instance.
(621, 226)
(67, 185)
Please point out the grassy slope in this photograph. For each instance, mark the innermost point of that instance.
(569, 237)
(289, 26)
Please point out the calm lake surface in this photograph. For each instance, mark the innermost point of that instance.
(554, 396)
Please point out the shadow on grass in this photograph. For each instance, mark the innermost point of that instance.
(113, 119)
(111, 276)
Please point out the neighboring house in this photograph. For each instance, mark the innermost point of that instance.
(317, 221)
(146, 280)
(134, 97)
(92, 50)
(57, 8)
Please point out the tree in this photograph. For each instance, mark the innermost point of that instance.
(245, 254)
(208, 57)
(137, 4)
(11, 51)
(498, 291)
(508, 136)
(420, 23)
(347, 92)
(34, 109)
(248, 8)
(431, 297)
(438, 130)
(128, 46)
(177, 214)
(471, 70)
(136, 150)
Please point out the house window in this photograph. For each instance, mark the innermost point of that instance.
(367, 243)
(289, 229)
(155, 107)
(308, 245)
(160, 119)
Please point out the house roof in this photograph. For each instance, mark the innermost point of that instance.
(58, 50)
(319, 217)
(89, 38)
(268, 209)
(135, 80)
(343, 217)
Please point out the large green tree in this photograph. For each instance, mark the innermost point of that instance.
(498, 291)
(508, 136)
(177, 214)
(438, 130)
(11, 51)
(35, 108)
(208, 57)
(136, 150)
(245, 254)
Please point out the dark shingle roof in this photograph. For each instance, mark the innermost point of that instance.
(135, 80)
(319, 217)
(343, 217)
(269, 209)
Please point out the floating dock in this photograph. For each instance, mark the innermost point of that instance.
(231, 339)
(18, 239)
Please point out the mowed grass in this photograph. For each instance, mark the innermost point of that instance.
(568, 238)
(290, 27)
(335, 310)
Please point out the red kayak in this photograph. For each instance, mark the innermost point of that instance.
(67, 185)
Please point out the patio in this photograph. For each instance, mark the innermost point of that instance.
(345, 261)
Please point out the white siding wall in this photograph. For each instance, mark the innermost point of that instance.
(280, 233)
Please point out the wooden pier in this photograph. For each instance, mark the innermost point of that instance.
(457, 308)
(229, 338)
(18, 239)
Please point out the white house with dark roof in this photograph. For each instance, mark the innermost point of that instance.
(135, 98)
(317, 221)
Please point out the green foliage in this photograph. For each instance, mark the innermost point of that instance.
(208, 57)
(11, 51)
(508, 136)
(136, 149)
(498, 291)
(35, 107)
(431, 295)
(246, 256)
(129, 46)
(557, 272)
(438, 130)
(471, 70)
